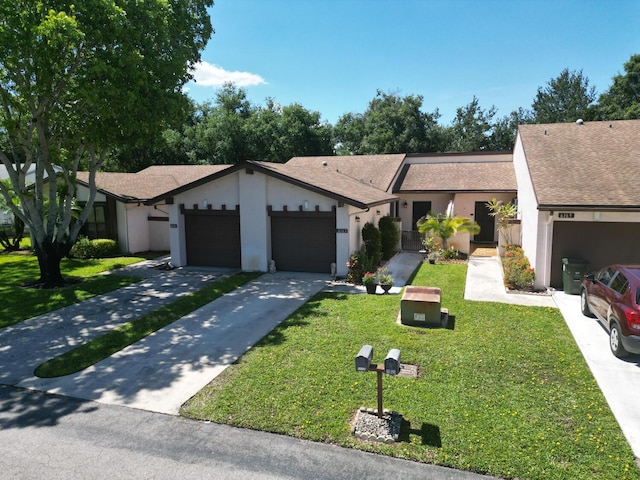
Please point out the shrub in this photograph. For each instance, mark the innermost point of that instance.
(98, 248)
(355, 268)
(518, 274)
(450, 253)
(389, 236)
(372, 243)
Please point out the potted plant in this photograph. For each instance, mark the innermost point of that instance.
(369, 281)
(433, 256)
(385, 279)
(430, 244)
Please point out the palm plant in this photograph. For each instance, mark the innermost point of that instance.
(445, 227)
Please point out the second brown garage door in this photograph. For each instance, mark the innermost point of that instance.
(303, 243)
(213, 240)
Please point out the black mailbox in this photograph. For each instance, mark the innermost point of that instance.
(363, 359)
(392, 362)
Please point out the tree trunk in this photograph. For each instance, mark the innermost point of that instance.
(49, 258)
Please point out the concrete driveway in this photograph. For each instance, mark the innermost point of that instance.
(160, 372)
(619, 379)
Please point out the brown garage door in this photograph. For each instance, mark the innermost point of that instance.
(303, 243)
(213, 240)
(600, 243)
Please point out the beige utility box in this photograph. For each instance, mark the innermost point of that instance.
(420, 306)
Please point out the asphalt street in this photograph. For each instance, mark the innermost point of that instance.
(55, 437)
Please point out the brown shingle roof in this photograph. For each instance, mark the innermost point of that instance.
(376, 170)
(328, 181)
(150, 182)
(490, 176)
(596, 164)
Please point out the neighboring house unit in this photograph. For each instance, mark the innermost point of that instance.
(119, 211)
(578, 195)
(457, 183)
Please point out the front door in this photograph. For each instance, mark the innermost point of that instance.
(420, 209)
(487, 223)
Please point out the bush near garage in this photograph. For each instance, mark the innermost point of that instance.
(518, 274)
(389, 236)
(98, 248)
(372, 244)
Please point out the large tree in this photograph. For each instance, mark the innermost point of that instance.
(622, 100)
(505, 129)
(391, 124)
(565, 98)
(279, 133)
(471, 128)
(232, 129)
(78, 80)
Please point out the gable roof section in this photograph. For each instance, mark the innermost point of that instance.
(376, 170)
(327, 182)
(593, 165)
(150, 182)
(492, 176)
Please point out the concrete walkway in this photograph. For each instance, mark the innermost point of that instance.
(485, 283)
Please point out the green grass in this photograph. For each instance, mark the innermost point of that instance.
(100, 348)
(506, 392)
(20, 303)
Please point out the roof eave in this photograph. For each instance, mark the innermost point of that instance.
(320, 190)
(589, 208)
(489, 190)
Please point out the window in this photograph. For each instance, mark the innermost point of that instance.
(604, 276)
(619, 283)
(96, 224)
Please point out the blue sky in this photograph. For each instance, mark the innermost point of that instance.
(332, 55)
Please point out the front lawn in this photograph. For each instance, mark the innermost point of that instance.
(506, 392)
(19, 302)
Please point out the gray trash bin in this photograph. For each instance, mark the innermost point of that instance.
(573, 269)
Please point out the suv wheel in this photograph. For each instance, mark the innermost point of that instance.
(615, 341)
(584, 304)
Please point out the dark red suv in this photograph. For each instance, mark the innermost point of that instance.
(612, 295)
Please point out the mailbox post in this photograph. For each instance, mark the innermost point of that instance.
(391, 366)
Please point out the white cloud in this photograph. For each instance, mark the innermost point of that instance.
(210, 75)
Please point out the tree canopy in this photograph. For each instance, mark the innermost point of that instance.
(622, 100)
(565, 98)
(77, 80)
(391, 124)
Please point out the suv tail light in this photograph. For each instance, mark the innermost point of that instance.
(633, 319)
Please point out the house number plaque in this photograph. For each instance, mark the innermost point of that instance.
(566, 215)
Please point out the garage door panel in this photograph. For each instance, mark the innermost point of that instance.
(213, 240)
(600, 243)
(303, 244)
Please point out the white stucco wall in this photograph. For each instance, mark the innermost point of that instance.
(255, 193)
(138, 228)
(536, 230)
(158, 236)
(255, 234)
